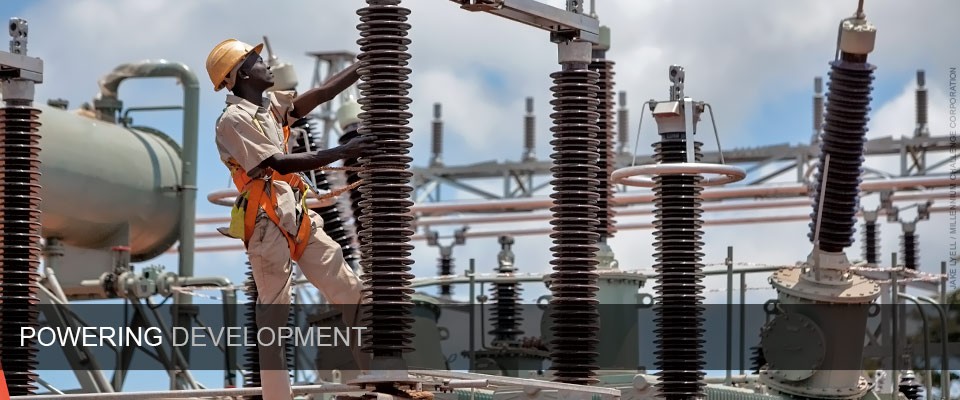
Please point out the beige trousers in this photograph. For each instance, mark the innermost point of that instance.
(323, 265)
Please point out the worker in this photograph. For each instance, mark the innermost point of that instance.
(270, 213)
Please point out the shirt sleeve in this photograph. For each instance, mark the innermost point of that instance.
(282, 103)
(244, 142)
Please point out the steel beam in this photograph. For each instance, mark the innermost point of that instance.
(539, 15)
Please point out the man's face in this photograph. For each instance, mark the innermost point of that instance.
(257, 70)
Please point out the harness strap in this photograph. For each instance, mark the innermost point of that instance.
(255, 195)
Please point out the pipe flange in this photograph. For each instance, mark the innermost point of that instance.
(621, 275)
(859, 290)
(725, 174)
(165, 283)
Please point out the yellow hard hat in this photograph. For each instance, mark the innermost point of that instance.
(225, 57)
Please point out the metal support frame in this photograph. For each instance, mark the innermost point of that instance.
(536, 14)
(785, 158)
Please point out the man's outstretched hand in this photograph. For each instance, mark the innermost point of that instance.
(361, 146)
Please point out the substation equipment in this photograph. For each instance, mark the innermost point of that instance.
(81, 177)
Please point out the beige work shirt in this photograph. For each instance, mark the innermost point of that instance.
(239, 138)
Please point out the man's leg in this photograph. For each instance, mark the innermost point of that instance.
(272, 272)
(323, 265)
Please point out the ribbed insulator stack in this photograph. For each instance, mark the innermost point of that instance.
(910, 387)
(506, 315)
(445, 269)
(678, 255)
(908, 248)
(574, 281)
(19, 244)
(333, 224)
(529, 132)
(871, 242)
(844, 134)
(922, 124)
(352, 177)
(386, 233)
(757, 360)
(289, 346)
(251, 378)
(436, 131)
(606, 161)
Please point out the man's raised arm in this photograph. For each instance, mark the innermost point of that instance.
(305, 103)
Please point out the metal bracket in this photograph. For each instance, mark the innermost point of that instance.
(563, 25)
(688, 121)
(16, 64)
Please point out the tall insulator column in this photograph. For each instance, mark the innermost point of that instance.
(573, 284)
(436, 159)
(817, 109)
(871, 237)
(251, 365)
(445, 268)
(844, 135)
(910, 256)
(678, 252)
(386, 219)
(529, 132)
(20, 248)
(507, 310)
(677, 178)
(923, 128)
(829, 345)
(445, 262)
(623, 124)
(607, 160)
(333, 223)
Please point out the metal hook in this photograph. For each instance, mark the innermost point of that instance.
(715, 134)
(636, 143)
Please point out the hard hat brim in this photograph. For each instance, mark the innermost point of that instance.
(258, 48)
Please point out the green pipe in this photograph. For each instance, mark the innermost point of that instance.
(188, 184)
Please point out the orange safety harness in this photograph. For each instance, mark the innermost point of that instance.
(255, 195)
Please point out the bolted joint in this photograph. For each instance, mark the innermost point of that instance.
(18, 36)
(574, 51)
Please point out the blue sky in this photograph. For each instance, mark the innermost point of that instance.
(754, 62)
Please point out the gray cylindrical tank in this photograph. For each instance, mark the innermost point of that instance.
(98, 178)
(427, 352)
